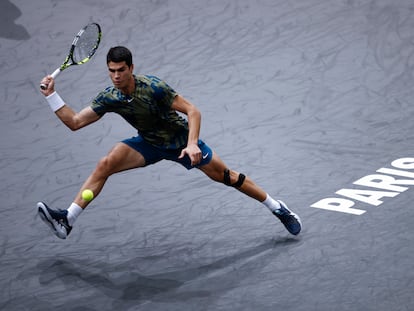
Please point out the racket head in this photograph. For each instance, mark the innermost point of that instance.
(84, 45)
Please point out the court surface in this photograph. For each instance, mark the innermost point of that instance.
(306, 97)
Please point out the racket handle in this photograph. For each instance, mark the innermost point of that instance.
(53, 75)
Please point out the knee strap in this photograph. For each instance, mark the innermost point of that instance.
(227, 180)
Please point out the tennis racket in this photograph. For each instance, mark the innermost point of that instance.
(83, 47)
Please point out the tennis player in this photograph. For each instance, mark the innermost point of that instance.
(151, 106)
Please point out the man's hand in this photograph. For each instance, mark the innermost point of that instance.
(50, 83)
(193, 152)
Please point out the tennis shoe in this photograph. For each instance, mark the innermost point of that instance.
(289, 219)
(57, 220)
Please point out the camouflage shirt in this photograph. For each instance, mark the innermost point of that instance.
(148, 110)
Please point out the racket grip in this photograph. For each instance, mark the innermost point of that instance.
(53, 75)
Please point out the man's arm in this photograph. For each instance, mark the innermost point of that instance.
(194, 122)
(67, 115)
(76, 121)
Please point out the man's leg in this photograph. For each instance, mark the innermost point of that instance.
(219, 172)
(120, 158)
(216, 170)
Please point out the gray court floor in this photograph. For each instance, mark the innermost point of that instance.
(306, 97)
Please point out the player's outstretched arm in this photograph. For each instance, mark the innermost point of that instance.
(76, 121)
(67, 115)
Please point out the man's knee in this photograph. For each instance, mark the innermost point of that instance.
(227, 179)
(105, 166)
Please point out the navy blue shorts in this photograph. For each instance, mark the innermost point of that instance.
(153, 154)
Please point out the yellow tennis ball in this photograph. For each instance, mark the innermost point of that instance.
(87, 195)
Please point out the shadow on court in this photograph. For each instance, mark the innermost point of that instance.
(9, 29)
(121, 284)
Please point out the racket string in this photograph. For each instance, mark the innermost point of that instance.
(86, 44)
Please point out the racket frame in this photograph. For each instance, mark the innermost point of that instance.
(69, 58)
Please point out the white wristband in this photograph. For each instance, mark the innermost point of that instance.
(55, 101)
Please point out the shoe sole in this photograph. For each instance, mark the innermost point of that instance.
(49, 221)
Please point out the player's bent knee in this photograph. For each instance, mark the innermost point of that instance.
(105, 166)
(227, 179)
(102, 164)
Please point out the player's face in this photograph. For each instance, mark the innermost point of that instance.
(120, 74)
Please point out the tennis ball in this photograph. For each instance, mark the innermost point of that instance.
(87, 195)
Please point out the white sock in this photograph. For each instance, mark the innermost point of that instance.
(270, 203)
(74, 211)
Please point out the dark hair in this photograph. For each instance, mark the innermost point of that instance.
(119, 54)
